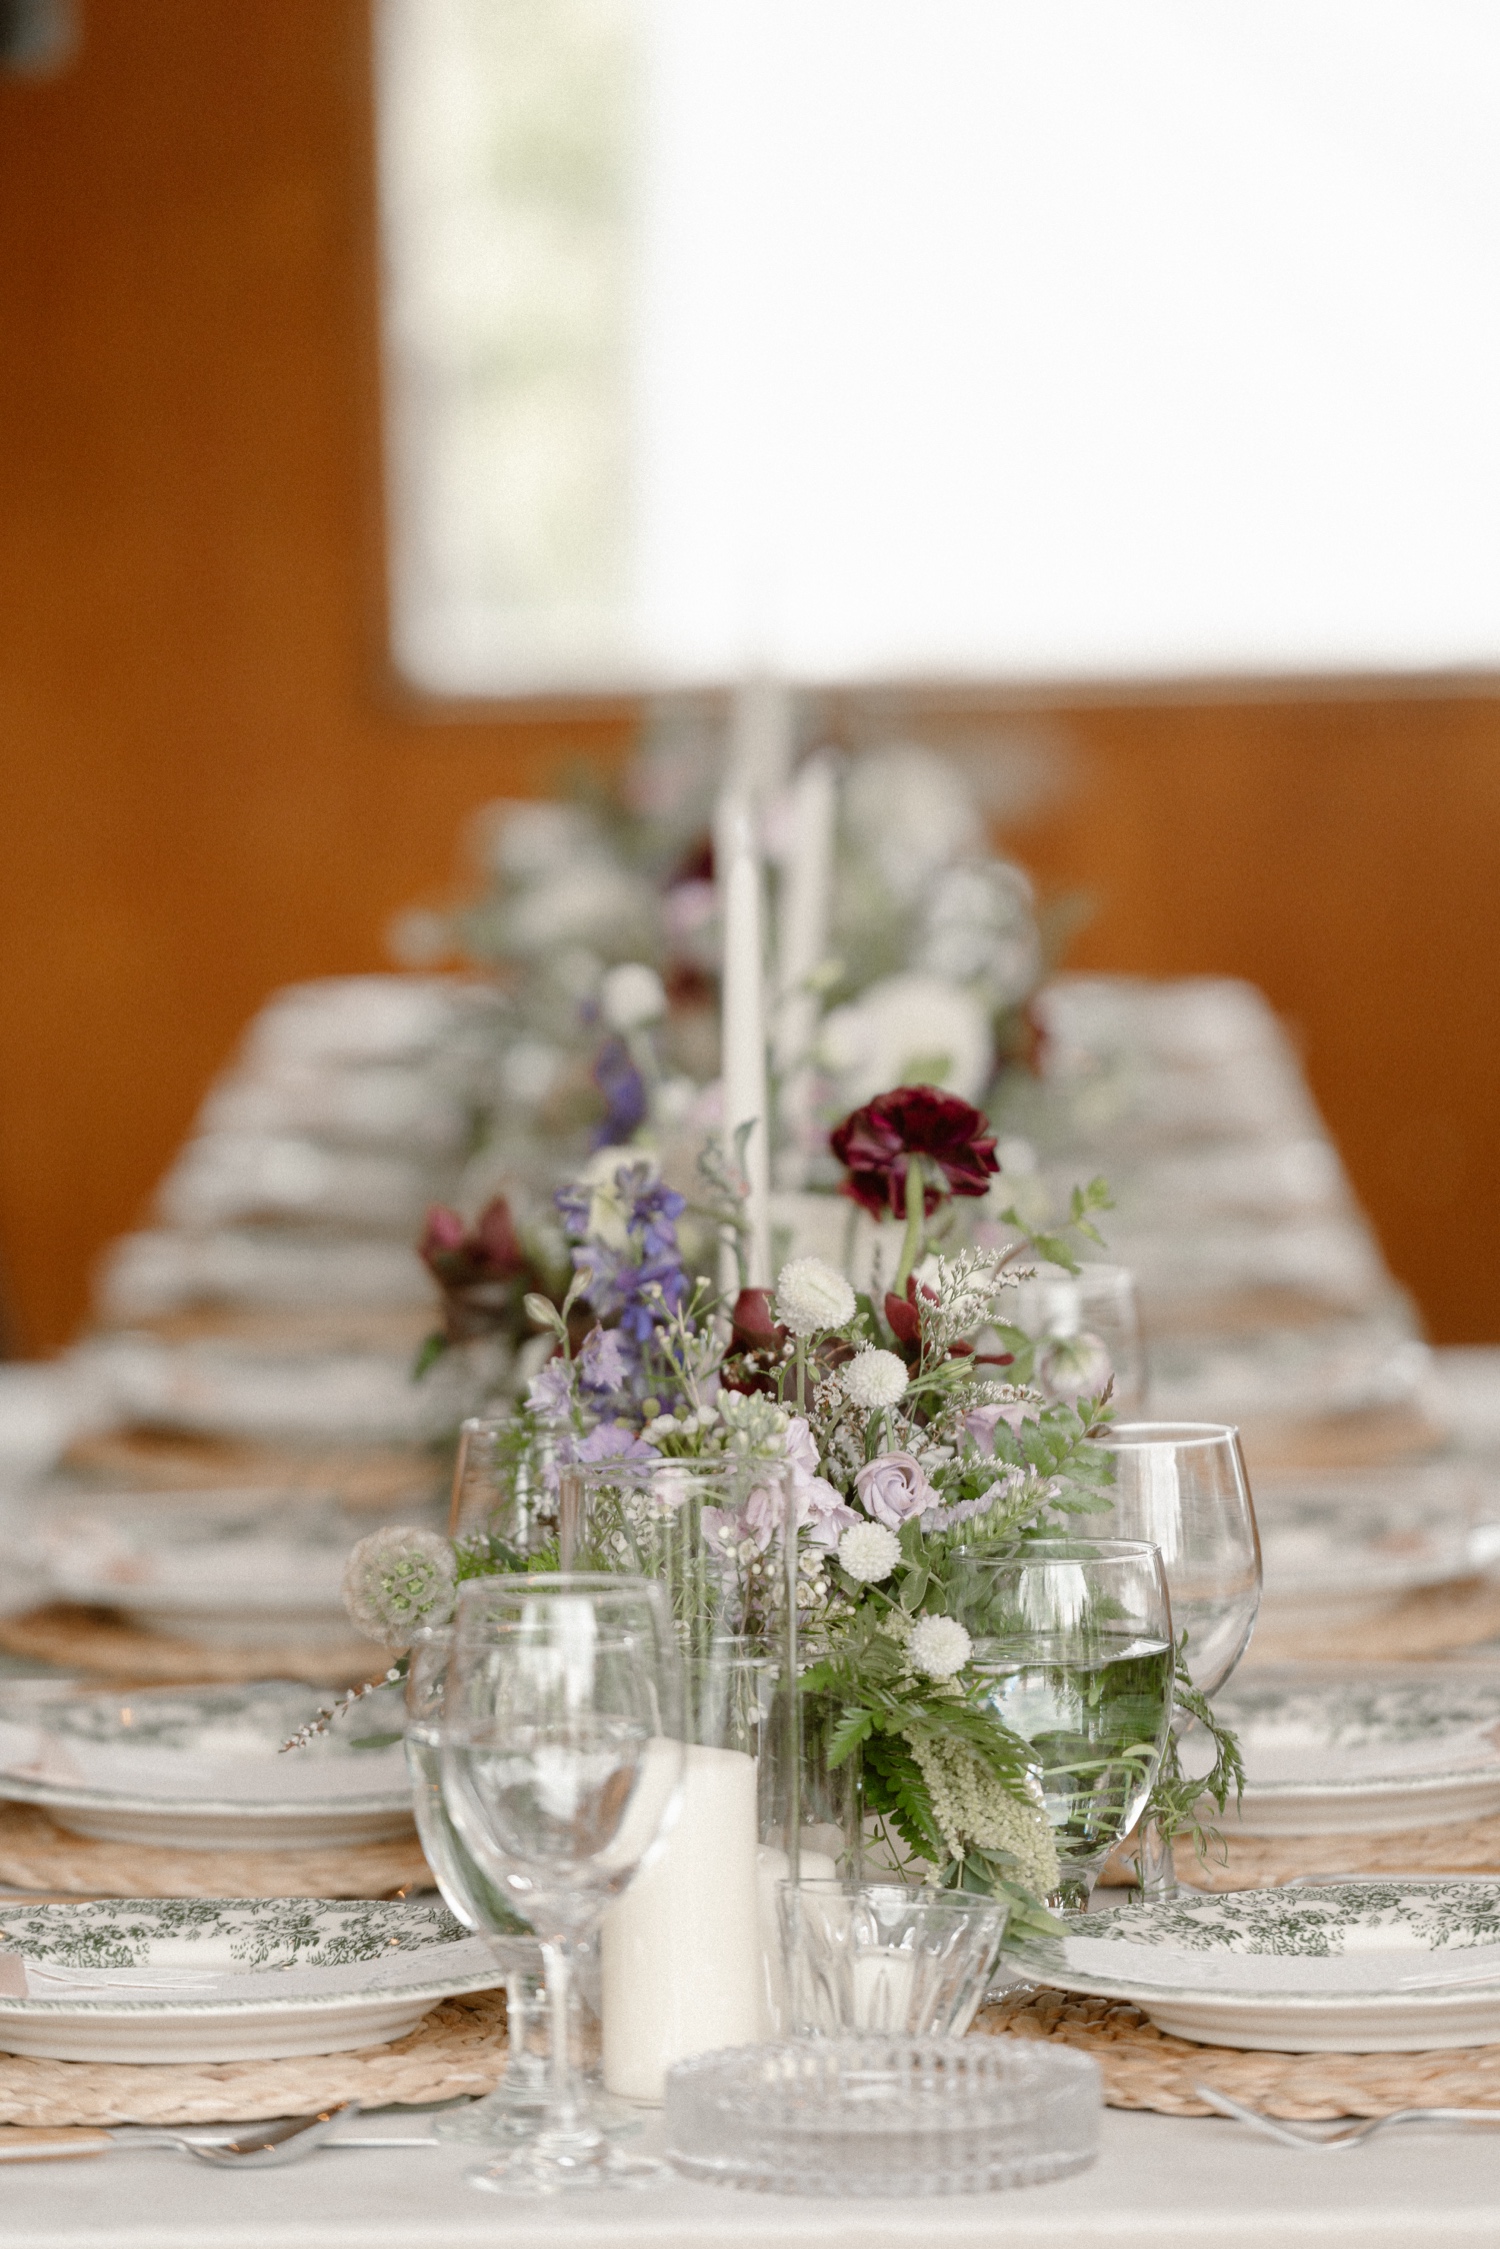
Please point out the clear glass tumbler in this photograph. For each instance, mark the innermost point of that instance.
(881, 1957)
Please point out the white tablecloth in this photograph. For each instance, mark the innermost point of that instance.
(1160, 2182)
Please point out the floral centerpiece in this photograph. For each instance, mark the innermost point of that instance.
(894, 1416)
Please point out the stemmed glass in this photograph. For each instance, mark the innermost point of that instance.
(1183, 1486)
(515, 2107)
(1073, 1644)
(561, 1764)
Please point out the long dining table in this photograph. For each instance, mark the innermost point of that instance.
(1160, 2182)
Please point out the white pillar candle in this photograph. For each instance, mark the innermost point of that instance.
(680, 1951)
(743, 1031)
(801, 949)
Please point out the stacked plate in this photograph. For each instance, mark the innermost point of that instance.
(1365, 1751)
(1378, 1966)
(203, 1768)
(1341, 1546)
(238, 1568)
(221, 1980)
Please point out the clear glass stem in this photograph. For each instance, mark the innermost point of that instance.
(524, 2073)
(1156, 1869)
(564, 2110)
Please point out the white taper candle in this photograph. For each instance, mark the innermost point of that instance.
(801, 949)
(743, 1021)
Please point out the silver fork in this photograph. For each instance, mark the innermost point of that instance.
(1349, 2135)
(263, 2147)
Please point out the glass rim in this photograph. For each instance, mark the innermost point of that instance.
(1130, 1436)
(626, 1468)
(915, 1893)
(556, 1583)
(1063, 1550)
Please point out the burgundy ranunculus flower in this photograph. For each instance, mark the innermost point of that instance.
(876, 1143)
(482, 1273)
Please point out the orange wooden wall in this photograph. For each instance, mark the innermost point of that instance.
(208, 786)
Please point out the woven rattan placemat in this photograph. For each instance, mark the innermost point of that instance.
(36, 1854)
(1433, 1622)
(105, 1645)
(458, 2049)
(1261, 1862)
(1144, 2068)
(167, 1460)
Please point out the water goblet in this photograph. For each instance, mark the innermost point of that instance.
(1073, 1650)
(561, 1763)
(1183, 1486)
(516, 2107)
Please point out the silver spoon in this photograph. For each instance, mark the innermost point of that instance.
(1349, 2135)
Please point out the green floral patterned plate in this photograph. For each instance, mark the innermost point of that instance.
(205, 1979)
(1367, 1751)
(1343, 1967)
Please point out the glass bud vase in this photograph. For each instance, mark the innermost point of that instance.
(685, 1964)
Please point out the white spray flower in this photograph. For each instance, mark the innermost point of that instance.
(874, 1379)
(397, 1580)
(632, 995)
(811, 1295)
(939, 1646)
(870, 1552)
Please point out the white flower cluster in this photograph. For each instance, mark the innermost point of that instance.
(812, 1296)
(397, 1580)
(938, 1646)
(869, 1552)
(974, 1812)
(873, 1379)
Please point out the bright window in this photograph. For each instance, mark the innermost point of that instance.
(940, 339)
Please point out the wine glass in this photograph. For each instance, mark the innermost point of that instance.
(516, 2105)
(561, 1764)
(1183, 1486)
(1073, 1650)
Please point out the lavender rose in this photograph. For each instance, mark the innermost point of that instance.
(894, 1488)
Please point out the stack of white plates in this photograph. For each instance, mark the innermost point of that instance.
(1379, 1966)
(1337, 1547)
(203, 1768)
(1365, 1751)
(238, 1567)
(224, 1980)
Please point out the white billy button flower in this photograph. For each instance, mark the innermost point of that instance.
(874, 1379)
(939, 1646)
(631, 995)
(869, 1552)
(811, 1296)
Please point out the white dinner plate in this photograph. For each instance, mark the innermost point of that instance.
(1363, 1752)
(226, 1980)
(1379, 1966)
(203, 1768)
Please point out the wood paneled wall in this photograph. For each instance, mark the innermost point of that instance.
(208, 785)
